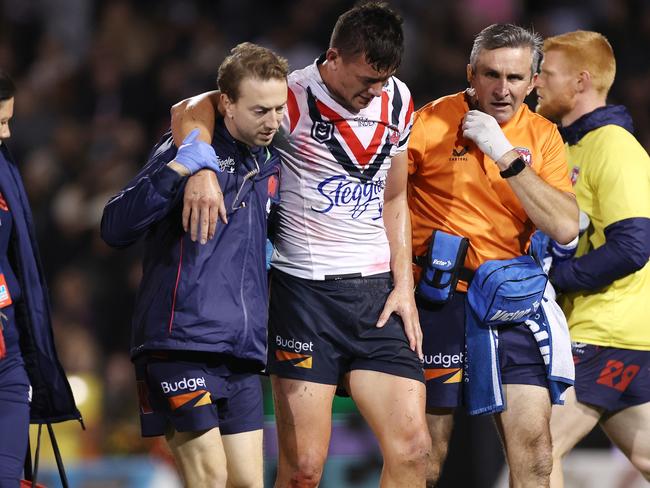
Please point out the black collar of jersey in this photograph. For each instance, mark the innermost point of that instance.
(608, 115)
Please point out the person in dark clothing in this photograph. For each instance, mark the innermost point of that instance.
(199, 326)
(33, 386)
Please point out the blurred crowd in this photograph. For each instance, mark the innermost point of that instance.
(96, 80)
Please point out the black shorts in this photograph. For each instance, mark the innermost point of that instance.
(443, 345)
(611, 378)
(193, 392)
(321, 330)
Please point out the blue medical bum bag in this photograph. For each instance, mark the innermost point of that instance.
(506, 291)
(441, 267)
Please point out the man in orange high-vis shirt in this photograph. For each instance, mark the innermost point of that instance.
(484, 167)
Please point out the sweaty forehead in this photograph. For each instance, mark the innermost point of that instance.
(505, 60)
(360, 66)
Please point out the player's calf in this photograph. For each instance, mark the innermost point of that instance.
(435, 461)
(440, 422)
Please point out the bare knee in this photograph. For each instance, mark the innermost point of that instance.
(307, 471)
(251, 481)
(642, 463)
(203, 472)
(535, 456)
(411, 450)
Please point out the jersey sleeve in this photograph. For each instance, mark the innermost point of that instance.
(417, 144)
(555, 169)
(620, 177)
(405, 114)
(292, 113)
(145, 200)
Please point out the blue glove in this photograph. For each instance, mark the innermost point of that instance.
(196, 155)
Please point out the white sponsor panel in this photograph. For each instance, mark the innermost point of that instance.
(444, 360)
(189, 384)
(294, 344)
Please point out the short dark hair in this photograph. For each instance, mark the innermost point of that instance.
(371, 29)
(248, 60)
(7, 87)
(497, 36)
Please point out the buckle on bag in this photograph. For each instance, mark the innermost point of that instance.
(442, 267)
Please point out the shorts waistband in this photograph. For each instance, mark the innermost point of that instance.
(333, 282)
(350, 276)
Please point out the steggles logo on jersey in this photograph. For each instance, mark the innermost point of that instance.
(356, 197)
(227, 165)
(322, 131)
(294, 356)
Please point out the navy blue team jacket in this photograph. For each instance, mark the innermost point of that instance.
(52, 399)
(193, 297)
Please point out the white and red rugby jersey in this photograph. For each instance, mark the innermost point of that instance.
(334, 166)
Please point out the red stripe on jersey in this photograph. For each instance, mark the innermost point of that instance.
(294, 111)
(409, 112)
(363, 155)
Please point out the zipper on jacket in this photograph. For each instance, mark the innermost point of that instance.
(243, 274)
(247, 177)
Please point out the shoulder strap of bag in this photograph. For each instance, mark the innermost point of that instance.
(31, 473)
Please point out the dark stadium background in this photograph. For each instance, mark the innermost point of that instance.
(96, 81)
